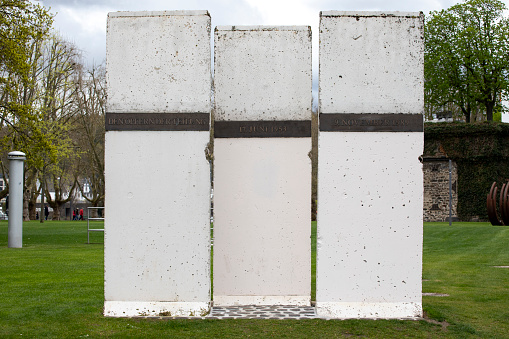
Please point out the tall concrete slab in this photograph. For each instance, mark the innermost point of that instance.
(369, 251)
(262, 171)
(157, 227)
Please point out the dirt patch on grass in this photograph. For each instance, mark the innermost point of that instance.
(444, 324)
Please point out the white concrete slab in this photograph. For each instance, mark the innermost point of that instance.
(262, 186)
(369, 246)
(371, 62)
(264, 73)
(369, 251)
(262, 214)
(157, 217)
(157, 227)
(158, 62)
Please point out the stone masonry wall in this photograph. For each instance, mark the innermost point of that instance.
(436, 189)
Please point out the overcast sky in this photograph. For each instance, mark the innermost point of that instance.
(84, 21)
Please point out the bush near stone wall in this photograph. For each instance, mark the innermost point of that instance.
(481, 151)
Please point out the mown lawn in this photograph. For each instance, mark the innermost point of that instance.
(53, 287)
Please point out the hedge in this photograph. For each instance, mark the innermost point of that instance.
(481, 152)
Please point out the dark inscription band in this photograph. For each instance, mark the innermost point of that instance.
(262, 129)
(339, 122)
(157, 121)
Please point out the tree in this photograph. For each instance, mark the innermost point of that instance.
(90, 101)
(47, 94)
(466, 59)
(60, 65)
(22, 25)
(38, 73)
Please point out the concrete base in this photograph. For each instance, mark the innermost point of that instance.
(140, 309)
(236, 300)
(348, 310)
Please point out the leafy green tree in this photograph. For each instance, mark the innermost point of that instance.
(43, 134)
(466, 60)
(38, 72)
(22, 25)
(59, 66)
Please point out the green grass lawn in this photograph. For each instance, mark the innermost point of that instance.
(53, 287)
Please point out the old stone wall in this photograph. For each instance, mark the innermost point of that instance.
(436, 189)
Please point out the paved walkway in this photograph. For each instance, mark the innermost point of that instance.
(262, 312)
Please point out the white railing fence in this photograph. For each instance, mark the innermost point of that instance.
(95, 218)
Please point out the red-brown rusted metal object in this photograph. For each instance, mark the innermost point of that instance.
(491, 203)
(504, 210)
(504, 203)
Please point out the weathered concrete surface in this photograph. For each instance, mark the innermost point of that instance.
(157, 227)
(158, 61)
(369, 255)
(261, 221)
(264, 73)
(262, 186)
(369, 225)
(371, 63)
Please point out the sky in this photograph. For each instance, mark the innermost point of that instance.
(83, 22)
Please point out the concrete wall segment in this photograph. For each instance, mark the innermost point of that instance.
(262, 186)
(371, 14)
(157, 13)
(263, 28)
(371, 63)
(370, 207)
(265, 73)
(262, 217)
(370, 194)
(157, 227)
(158, 63)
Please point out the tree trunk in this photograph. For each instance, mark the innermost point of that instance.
(56, 211)
(467, 112)
(489, 111)
(30, 182)
(42, 217)
(32, 210)
(26, 199)
(32, 204)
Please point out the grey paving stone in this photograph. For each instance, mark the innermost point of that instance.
(262, 312)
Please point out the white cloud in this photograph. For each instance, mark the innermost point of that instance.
(88, 20)
(84, 22)
(284, 12)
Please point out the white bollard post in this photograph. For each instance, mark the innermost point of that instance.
(16, 180)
